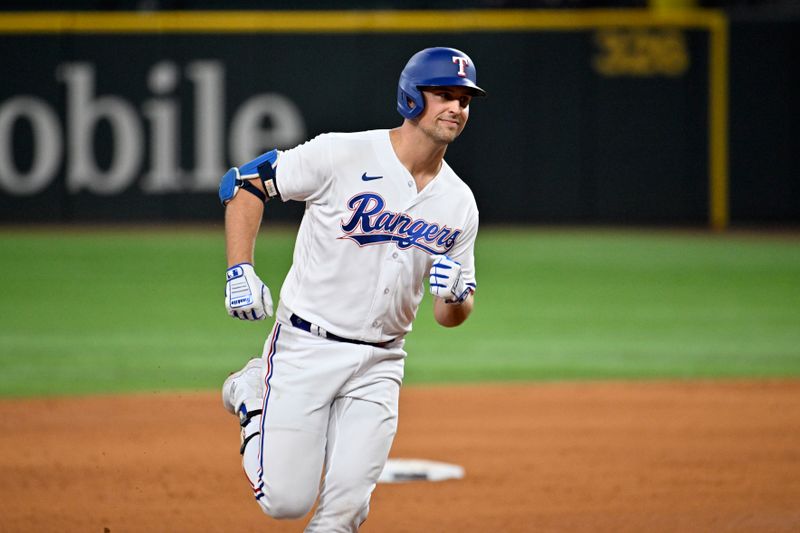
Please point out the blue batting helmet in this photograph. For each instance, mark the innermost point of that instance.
(434, 67)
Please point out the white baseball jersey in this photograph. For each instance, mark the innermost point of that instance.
(365, 243)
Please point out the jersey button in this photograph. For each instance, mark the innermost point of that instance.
(386, 291)
(394, 255)
(376, 323)
(410, 183)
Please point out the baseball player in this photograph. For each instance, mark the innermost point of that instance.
(383, 212)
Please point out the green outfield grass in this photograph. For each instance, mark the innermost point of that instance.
(105, 310)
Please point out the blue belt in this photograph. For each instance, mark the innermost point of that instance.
(305, 325)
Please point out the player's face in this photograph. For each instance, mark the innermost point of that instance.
(446, 113)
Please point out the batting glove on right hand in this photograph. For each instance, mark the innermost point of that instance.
(246, 296)
(446, 280)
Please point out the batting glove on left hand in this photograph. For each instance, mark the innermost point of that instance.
(446, 280)
(246, 296)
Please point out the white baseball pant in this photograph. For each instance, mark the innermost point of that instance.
(326, 404)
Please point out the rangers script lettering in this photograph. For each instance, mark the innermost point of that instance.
(380, 226)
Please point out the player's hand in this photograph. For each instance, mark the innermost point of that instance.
(446, 280)
(246, 296)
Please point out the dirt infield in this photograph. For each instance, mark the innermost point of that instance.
(694, 456)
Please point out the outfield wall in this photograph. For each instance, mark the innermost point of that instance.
(593, 116)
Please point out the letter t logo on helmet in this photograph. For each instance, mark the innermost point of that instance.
(434, 67)
(462, 62)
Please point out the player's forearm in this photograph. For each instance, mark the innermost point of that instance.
(451, 315)
(242, 221)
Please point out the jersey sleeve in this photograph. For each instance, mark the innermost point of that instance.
(464, 249)
(302, 173)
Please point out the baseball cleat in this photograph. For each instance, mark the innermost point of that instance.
(246, 384)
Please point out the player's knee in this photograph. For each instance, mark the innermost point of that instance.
(286, 508)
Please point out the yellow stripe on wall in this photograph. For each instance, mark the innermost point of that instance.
(344, 21)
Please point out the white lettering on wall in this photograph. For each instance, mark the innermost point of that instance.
(209, 106)
(47, 145)
(163, 116)
(84, 112)
(150, 128)
(248, 138)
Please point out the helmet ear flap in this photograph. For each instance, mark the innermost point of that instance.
(413, 95)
